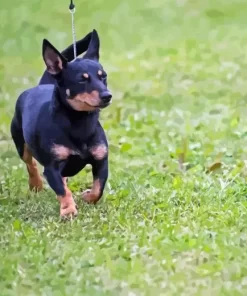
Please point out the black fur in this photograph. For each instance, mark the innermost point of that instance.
(45, 115)
(68, 53)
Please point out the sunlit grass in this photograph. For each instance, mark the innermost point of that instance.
(173, 217)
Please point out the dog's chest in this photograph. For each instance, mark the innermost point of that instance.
(76, 144)
(81, 128)
(63, 152)
(76, 138)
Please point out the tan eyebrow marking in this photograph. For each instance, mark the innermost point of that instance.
(67, 92)
(100, 72)
(85, 75)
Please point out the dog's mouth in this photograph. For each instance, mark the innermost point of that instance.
(88, 102)
(101, 106)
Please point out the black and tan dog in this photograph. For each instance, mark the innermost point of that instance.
(57, 123)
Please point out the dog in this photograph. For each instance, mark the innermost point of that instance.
(57, 124)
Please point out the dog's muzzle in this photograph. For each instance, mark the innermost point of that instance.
(105, 97)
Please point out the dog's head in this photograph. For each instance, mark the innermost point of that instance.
(82, 82)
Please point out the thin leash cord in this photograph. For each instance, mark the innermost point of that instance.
(72, 11)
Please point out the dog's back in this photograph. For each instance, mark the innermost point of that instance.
(33, 115)
(31, 103)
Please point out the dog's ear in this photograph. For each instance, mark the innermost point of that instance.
(54, 61)
(81, 47)
(93, 48)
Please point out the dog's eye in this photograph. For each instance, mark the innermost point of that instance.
(102, 75)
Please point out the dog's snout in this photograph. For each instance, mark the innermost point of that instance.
(106, 97)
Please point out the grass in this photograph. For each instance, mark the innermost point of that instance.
(173, 220)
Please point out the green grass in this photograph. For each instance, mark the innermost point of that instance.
(177, 70)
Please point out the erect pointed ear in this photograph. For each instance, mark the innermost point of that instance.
(93, 48)
(54, 61)
(81, 47)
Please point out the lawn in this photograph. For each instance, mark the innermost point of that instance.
(173, 219)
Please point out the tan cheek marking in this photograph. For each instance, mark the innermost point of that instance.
(91, 99)
(77, 102)
(85, 75)
(80, 106)
(81, 97)
(99, 152)
(88, 96)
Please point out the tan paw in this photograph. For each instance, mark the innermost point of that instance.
(89, 197)
(35, 184)
(69, 211)
(68, 206)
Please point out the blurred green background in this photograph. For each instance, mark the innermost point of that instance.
(185, 59)
(177, 70)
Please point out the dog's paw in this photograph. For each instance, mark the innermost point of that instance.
(35, 184)
(68, 207)
(68, 212)
(89, 197)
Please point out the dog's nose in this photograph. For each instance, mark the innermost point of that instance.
(106, 97)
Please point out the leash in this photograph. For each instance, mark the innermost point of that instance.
(72, 11)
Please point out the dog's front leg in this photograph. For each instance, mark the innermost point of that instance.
(100, 175)
(64, 195)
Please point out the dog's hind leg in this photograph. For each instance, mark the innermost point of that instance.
(35, 180)
(64, 195)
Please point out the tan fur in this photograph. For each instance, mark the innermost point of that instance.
(85, 101)
(93, 195)
(67, 92)
(61, 152)
(99, 152)
(67, 203)
(35, 180)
